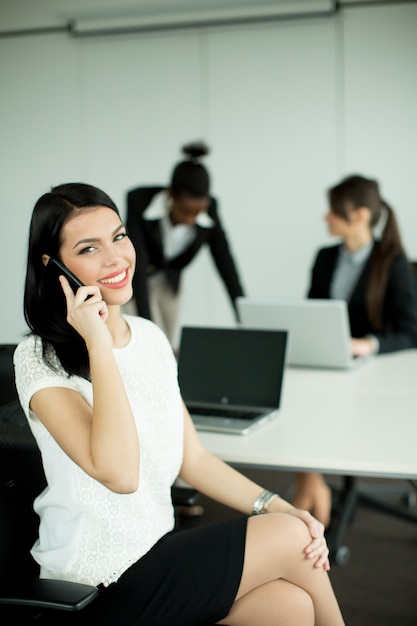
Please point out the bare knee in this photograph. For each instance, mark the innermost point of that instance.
(279, 528)
(275, 544)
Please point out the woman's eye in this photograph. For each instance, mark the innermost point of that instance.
(120, 236)
(87, 249)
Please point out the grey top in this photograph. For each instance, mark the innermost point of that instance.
(348, 268)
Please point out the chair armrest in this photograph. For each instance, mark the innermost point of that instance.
(48, 594)
(184, 496)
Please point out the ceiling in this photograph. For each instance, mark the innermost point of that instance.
(20, 15)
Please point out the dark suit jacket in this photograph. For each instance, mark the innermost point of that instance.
(147, 240)
(400, 303)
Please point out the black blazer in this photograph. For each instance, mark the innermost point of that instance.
(400, 302)
(147, 239)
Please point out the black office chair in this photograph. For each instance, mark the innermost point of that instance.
(23, 597)
(413, 265)
(351, 495)
(393, 501)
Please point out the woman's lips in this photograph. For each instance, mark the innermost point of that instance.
(115, 280)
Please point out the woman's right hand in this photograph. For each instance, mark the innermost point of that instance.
(86, 312)
(361, 347)
(317, 550)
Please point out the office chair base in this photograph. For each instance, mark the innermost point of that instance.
(346, 501)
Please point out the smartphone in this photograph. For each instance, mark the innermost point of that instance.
(62, 269)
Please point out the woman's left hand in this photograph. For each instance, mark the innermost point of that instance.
(318, 548)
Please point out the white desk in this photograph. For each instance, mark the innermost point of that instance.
(361, 422)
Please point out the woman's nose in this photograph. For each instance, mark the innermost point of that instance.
(112, 256)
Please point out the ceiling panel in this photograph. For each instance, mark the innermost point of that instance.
(36, 14)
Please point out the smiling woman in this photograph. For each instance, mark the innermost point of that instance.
(80, 226)
(105, 257)
(100, 392)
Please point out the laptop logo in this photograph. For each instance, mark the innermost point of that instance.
(224, 400)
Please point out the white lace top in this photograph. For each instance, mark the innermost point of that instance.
(87, 532)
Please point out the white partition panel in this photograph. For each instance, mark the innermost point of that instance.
(39, 148)
(273, 122)
(141, 103)
(381, 105)
(140, 97)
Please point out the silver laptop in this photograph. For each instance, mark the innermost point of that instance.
(319, 331)
(231, 378)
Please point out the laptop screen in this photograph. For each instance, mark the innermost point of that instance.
(318, 329)
(231, 366)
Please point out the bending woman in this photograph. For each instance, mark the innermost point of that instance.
(371, 272)
(101, 395)
(169, 225)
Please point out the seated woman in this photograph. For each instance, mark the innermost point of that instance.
(369, 270)
(101, 395)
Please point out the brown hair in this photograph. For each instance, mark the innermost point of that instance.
(351, 194)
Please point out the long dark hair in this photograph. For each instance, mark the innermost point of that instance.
(44, 302)
(355, 192)
(190, 177)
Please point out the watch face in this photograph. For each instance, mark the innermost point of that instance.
(256, 507)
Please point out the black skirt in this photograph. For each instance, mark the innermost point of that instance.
(189, 578)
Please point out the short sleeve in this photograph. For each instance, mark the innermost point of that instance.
(33, 373)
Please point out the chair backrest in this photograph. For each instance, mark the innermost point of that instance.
(413, 265)
(21, 478)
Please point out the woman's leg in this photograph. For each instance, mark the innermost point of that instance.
(313, 494)
(165, 306)
(277, 603)
(274, 552)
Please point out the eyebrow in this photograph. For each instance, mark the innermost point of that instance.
(96, 239)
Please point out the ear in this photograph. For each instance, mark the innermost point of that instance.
(361, 215)
(45, 259)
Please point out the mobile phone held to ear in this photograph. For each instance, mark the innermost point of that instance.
(62, 269)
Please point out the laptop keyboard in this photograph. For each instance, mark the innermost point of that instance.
(230, 413)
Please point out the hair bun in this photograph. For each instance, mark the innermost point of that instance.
(195, 150)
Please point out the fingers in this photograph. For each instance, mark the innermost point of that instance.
(87, 298)
(361, 347)
(82, 293)
(316, 550)
(315, 527)
(68, 292)
(102, 310)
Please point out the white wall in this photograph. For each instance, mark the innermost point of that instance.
(40, 146)
(380, 124)
(287, 107)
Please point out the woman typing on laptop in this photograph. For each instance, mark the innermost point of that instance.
(101, 395)
(369, 270)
